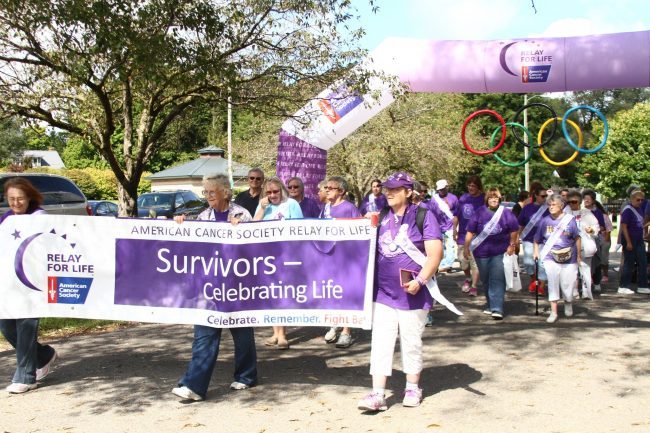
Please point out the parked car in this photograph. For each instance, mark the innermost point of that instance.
(60, 195)
(103, 208)
(166, 204)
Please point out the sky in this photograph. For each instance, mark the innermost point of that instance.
(498, 19)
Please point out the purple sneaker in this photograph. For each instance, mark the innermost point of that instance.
(373, 402)
(412, 397)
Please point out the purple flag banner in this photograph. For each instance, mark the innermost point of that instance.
(294, 272)
(299, 158)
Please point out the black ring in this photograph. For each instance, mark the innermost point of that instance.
(551, 137)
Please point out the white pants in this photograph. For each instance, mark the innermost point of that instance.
(386, 322)
(560, 276)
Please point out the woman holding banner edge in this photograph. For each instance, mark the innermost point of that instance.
(492, 232)
(205, 347)
(401, 297)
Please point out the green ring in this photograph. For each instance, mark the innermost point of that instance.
(506, 163)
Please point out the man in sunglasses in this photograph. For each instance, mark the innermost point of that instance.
(310, 207)
(250, 198)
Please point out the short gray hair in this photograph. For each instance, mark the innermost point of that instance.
(219, 180)
(554, 198)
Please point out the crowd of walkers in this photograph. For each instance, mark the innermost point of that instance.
(563, 238)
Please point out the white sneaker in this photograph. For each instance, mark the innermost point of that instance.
(331, 335)
(568, 309)
(552, 318)
(466, 285)
(597, 288)
(238, 386)
(186, 394)
(41, 373)
(625, 291)
(20, 388)
(643, 290)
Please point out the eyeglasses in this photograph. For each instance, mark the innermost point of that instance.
(212, 193)
(254, 178)
(332, 188)
(574, 201)
(293, 187)
(271, 192)
(17, 199)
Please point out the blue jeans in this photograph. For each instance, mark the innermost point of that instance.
(449, 245)
(494, 281)
(635, 257)
(22, 334)
(205, 349)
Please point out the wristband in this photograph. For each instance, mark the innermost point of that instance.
(421, 281)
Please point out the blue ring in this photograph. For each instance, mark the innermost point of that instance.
(568, 138)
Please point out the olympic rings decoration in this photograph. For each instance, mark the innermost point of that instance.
(496, 155)
(572, 157)
(540, 143)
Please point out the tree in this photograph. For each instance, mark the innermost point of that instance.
(625, 159)
(101, 67)
(12, 141)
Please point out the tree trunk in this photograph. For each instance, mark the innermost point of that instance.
(127, 198)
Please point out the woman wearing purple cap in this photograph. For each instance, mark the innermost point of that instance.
(558, 244)
(491, 233)
(401, 298)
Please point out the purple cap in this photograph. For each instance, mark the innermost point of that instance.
(398, 180)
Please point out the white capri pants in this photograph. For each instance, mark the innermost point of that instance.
(560, 276)
(386, 322)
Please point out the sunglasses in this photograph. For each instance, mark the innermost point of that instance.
(254, 178)
(574, 201)
(293, 187)
(271, 192)
(544, 195)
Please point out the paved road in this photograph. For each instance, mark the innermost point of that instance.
(589, 373)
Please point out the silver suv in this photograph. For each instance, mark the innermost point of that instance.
(60, 195)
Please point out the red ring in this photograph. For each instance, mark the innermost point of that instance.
(503, 132)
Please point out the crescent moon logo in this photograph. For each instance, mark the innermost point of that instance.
(502, 59)
(18, 262)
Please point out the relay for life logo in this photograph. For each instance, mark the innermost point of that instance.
(532, 61)
(50, 261)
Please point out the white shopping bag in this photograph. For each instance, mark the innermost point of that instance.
(511, 269)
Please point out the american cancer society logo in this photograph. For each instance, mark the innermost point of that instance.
(50, 257)
(533, 60)
(339, 103)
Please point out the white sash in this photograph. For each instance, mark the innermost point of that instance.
(636, 214)
(444, 207)
(533, 220)
(564, 222)
(402, 241)
(487, 230)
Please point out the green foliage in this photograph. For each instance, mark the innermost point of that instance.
(12, 140)
(79, 153)
(625, 159)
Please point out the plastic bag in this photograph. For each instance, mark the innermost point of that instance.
(511, 269)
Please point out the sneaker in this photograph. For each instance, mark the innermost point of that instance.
(597, 288)
(372, 402)
(643, 290)
(466, 286)
(345, 340)
(605, 279)
(625, 291)
(541, 291)
(497, 316)
(429, 320)
(186, 394)
(412, 397)
(238, 386)
(487, 311)
(531, 287)
(568, 309)
(331, 335)
(41, 373)
(20, 388)
(473, 291)
(552, 318)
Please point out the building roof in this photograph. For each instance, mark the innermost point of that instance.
(201, 166)
(48, 158)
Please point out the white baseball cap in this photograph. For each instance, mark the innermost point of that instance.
(442, 183)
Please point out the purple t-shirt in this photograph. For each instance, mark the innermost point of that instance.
(444, 221)
(497, 242)
(630, 216)
(525, 216)
(379, 203)
(9, 213)
(345, 209)
(599, 216)
(310, 207)
(388, 290)
(467, 206)
(567, 238)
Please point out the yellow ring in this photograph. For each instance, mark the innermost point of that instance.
(539, 141)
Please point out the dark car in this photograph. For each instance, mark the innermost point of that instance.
(166, 204)
(60, 195)
(103, 208)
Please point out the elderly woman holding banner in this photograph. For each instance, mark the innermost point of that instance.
(205, 347)
(558, 245)
(34, 360)
(408, 254)
(491, 233)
